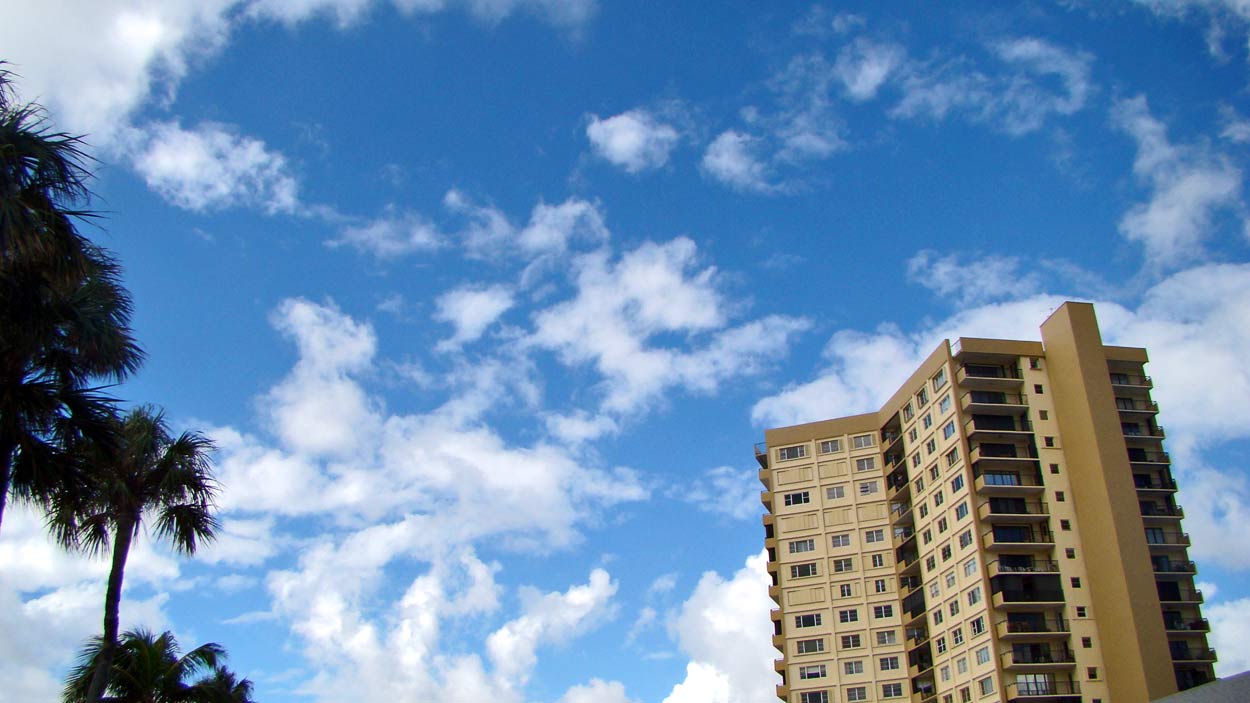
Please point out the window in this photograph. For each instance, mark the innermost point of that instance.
(927, 535)
(941, 643)
(874, 536)
(974, 596)
(810, 646)
(842, 565)
(930, 446)
(1037, 388)
(1091, 672)
(887, 637)
(1043, 415)
(850, 615)
(983, 655)
(924, 510)
(878, 561)
(808, 620)
(862, 441)
(857, 693)
(830, 446)
(835, 492)
(946, 676)
(950, 580)
(957, 483)
(846, 590)
(912, 434)
(943, 525)
(986, 685)
(1060, 497)
(961, 511)
(842, 540)
(948, 430)
(1087, 642)
(915, 460)
(1054, 468)
(798, 498)
(965, 539)
(977, 626)
(946, 552)
(970, 567)
(938, 617)
(935, 589)
(908, 413)
(1035, 363)
(954, 608)
(867, 488)
(939, 379)
(813, 671)
(1070, 553)
(880, 586)
(1080, 611)
(957, 636)
(799, 571)
(922, 397)
(919, 483)
(853, 667)
(802, 545)
(1076, 581)
(798, 451)
(944, 405)
(934, 472)
(938, 499)
(891, 690)
(1065, 525)
(814, 697)
(1048, 441)
(851, 642)
(882, 611)
(965, 694)
(930, 563)
(927, 420)
(867, 463)
(888, 663)
(952, 457)
(961, 665)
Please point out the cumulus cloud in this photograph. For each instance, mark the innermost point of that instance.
(726, 491)
(864, 65)
(977, 280)
(724, 628)
(1189, 187)
(470, 310)
(393, 234)
(633, 140)
(1230, 625)
(212, 167)
(732, 159)
(597, 691)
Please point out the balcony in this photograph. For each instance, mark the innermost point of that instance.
(1145, 483)
(1043, 566)
(1132, 406)
(1024, 658)
(1124, 380)
(1032, 626)
(994, 403)
(766, 478)
(989, 377)
(1006, 483)
(761, 454)
(1012, 509)
(766, 497)
(916, 636)
(1165, 538)
(1135, 431)
(1178, 625)
(898, 482)
(1138, 455)
(997, 427)
(900, 513)
(1162, 511)
(1165, 566)
(1044, 691)
(1017, 538)
(913, 607)
(902, 535)
(1014, 455)
(1173, 594)
(1185, 654)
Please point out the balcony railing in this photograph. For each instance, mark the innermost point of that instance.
(1012, 508)
(1193, 655)
(1167, 539)
(1031, 690)
(1144, 432)
(1142, 456)
(1199, 625)
(988, 371)
(993, 401)
(1039, 566)
(1161, 484)
(1133, 405)
(1033, 626)
(1183, 595)
(1017, 537)
(1038, 656)
(1160, 510)
(1124, 379)
(1174, 567)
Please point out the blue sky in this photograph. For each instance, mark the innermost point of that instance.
(486, 301)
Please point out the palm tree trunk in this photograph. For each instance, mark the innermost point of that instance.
(112, 607)
(6, 469)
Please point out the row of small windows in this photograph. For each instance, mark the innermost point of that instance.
(827, 446)
(866, 488)
(840, 566)
(853, 693)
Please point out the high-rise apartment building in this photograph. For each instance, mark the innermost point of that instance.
(1003, 529)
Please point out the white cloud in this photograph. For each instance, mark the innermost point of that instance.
(1230, 626)
(731, 158)
(470, 310)
(212, 167)
(597, 691)
(549, 233)
(395, 233)
(1041, 80)
(726, 491)
(580, 426)
(724, 628)
(978, 280)
(634, 140)
(864, 65)
(1189, 187)
(548, 618)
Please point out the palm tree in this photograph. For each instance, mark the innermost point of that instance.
(64, 315)
(150, 668)
(145, 473)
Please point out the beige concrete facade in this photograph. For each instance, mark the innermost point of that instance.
(1003, 529)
